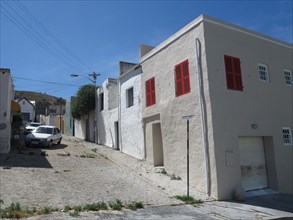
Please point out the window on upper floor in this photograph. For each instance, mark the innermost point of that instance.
(182, 79)
(233, 73)
(101, 101)
(288, 77)
(129, 97)
(150, 92)
(287, 136)
(263, 72)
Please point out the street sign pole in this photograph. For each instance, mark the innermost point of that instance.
(187, 117)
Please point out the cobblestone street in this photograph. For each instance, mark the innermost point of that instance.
(78, 172)
(72, 174)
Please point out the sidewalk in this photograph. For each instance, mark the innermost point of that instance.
(145, 169)
(252, 208)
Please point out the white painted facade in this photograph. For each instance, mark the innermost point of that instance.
(107, 113)
(84, 128)
(130, 117)
(27, 107)
(227, 114)
(6, 96)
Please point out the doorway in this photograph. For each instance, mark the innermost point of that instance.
(158, 151)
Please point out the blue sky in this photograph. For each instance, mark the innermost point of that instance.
(96, 35)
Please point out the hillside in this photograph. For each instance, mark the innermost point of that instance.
(43, 101)
(37, 97)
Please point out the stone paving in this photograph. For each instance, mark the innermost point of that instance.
(72, 174)
(78, 172)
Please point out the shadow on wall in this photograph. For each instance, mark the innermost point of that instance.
(101, 130)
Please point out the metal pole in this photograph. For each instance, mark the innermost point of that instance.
(187, 158)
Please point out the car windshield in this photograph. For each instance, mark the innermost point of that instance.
(44, 130)
(34, 124)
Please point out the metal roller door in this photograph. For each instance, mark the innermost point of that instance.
(252, 163)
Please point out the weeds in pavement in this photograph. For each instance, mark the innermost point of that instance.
(44, 153)
(134, 206)
(172, 176)
(87, 156)
(75, 213)
(189, 199)
(116, 205)
(95, 206)
(94, 150)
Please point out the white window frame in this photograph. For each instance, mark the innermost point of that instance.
(263, 74)
(288, 78)
(128, 103)
(287, 136)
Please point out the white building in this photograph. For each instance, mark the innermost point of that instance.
(107, 113)
(130, 111)
(85, 127)
(27, 109)
(238, 85)
(6, 97)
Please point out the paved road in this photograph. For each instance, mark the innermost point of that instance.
(73, 174)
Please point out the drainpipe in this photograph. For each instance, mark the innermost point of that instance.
(203, 117)
(119, 116)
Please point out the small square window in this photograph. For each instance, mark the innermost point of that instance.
(288, 77)
(129, 97)
(263, 72)
(287, 136)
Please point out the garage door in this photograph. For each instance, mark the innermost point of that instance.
(252, 163)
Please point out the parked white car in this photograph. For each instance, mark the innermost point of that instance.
(44, 136)
(32, 126)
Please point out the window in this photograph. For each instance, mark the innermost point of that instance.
(101, 98)
(287, 136)
(129, 97)
(182, 81)
(288, 77)
(233, 73)
(263, 72)
(150, 92)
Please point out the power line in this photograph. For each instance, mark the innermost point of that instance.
(52, 36)
(38, 38)
(42, 81)
(30, 35)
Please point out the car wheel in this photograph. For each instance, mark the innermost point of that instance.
(59, 142)
(50, 144)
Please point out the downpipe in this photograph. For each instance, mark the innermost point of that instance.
(203, 117)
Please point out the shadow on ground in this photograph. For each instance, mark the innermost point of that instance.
(28, 157)
(278, 201)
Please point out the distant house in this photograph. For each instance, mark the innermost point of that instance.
(27, 109)
(107, 113)
(6, 108)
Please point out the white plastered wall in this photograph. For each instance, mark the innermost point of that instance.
(109, 115)
(131, 127)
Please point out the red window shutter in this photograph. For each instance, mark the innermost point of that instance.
(153, 91)
(178, 80)
(182, 80)
(237, 74)
(186, 80)
(150, 92)
(233, 73)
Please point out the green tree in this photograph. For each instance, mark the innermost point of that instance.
(84, 101)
